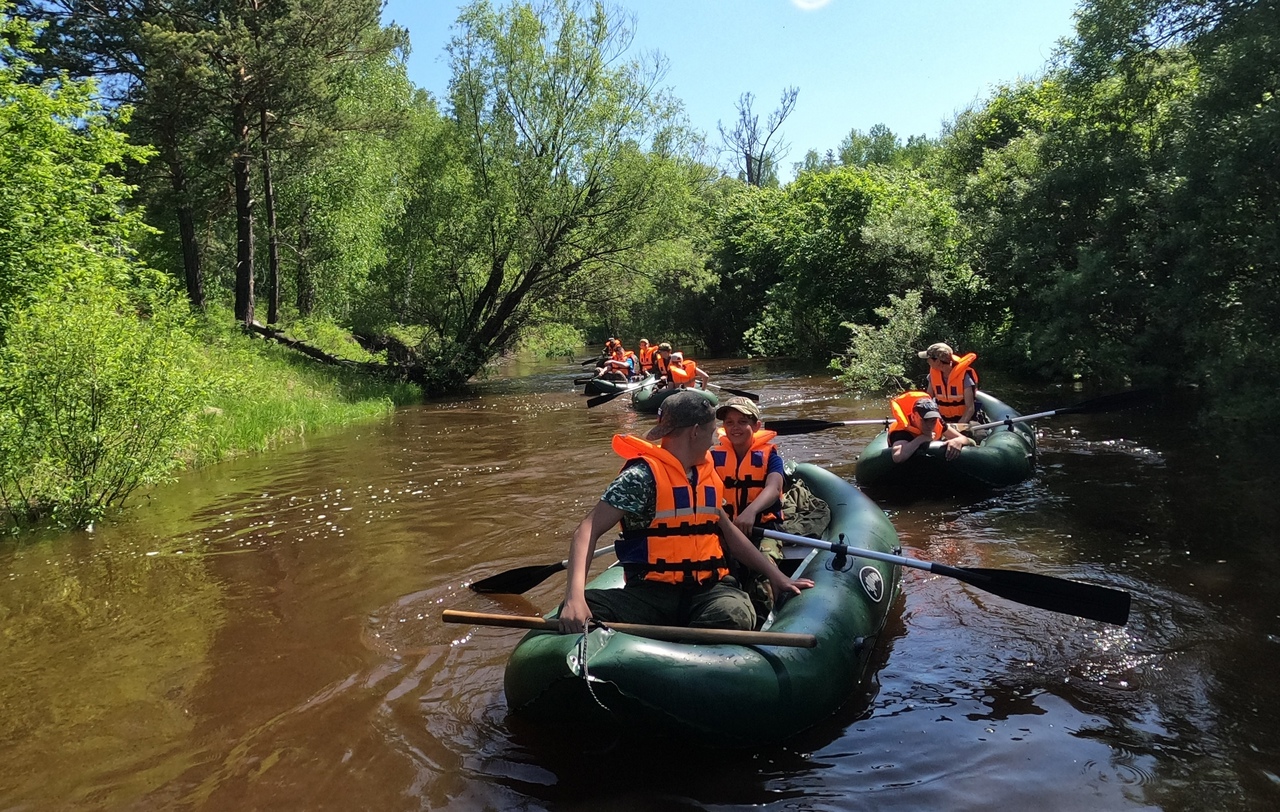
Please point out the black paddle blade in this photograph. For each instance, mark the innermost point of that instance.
(518, 580)
(801, 425)
(1112, 402)
(739, 392)
(1046, 592)
(599, 399)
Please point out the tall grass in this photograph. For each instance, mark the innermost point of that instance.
(268, 395)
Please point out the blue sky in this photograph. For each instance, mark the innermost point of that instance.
(909, 64)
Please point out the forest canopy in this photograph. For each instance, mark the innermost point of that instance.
(270, 165)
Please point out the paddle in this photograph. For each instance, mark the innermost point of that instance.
(595, 360)
(805, 425)
(522, 579)
(1106, 403)
(579, 381)
(1042, 591)
(738, 392)
(599, 399)
(679, 634)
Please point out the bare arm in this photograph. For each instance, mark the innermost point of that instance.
(969, 407)
(741, 548)
(903, 449)
(955, 441)
(575, 613)
(770, 493)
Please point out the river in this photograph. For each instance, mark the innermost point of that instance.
(265, 633)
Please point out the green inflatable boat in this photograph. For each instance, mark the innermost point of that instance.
(604, 386)
(1004, 456)
(724, 695)
(648, 398)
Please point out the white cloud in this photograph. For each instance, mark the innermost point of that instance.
(809, 5)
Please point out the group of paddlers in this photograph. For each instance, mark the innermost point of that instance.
(616, 363)
(691, 495)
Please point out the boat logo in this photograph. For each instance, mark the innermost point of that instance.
(872, 583)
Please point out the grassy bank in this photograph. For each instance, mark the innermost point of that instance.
(94, 406)
(267, 395)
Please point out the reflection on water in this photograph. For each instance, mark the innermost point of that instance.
(266, 633)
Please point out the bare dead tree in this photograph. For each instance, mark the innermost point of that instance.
(756, 153)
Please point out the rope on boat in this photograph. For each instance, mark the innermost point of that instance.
(582, 661)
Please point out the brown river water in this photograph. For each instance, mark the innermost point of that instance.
(265, 634)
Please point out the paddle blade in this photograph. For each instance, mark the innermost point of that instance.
(800, 425)
(805, 425)
(1046, 592)
(518, 580)
(739, 392)
(1112, 402)
(601, 399)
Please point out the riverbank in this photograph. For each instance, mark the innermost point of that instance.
(98, 416)
(273, 395)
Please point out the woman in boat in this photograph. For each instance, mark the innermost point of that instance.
(952, 382)
(751, 468)
(674, 534)
(917, 422)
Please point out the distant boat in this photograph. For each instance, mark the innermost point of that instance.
(1005, 456)
(606, 386)
(648, 398)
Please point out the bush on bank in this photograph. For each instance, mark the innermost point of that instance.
(98, 400)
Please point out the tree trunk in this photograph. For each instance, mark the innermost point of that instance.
(192, 273)
(191, 256)
(273, 239)
(244, 220)
(306, 284)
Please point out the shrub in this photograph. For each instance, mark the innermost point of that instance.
(96, 399)
(877, 356)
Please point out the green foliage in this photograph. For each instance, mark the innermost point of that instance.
(553, 340)
(556, 173)
(96, 400)
(879, 355)
(847, 239)
(267, 395)
(61, 198)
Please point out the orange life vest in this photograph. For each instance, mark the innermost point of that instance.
(646, 357)
(682, 543)
(661, 364)
(950, 393)
(744, 478)
(683, 372)
(905, 417)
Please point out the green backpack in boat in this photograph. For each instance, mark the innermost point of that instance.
(806, 514)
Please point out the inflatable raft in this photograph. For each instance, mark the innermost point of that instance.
(721, 694)
(604, 386)
(1004, 456)
(648, 398)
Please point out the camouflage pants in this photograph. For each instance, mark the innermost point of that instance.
(756, 584)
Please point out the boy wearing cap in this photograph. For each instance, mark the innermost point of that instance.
(751, 468)
(916, 423)
(952, 382)
(661, 362)
(674, 534)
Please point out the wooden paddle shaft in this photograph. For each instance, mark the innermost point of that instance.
(679, 634)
